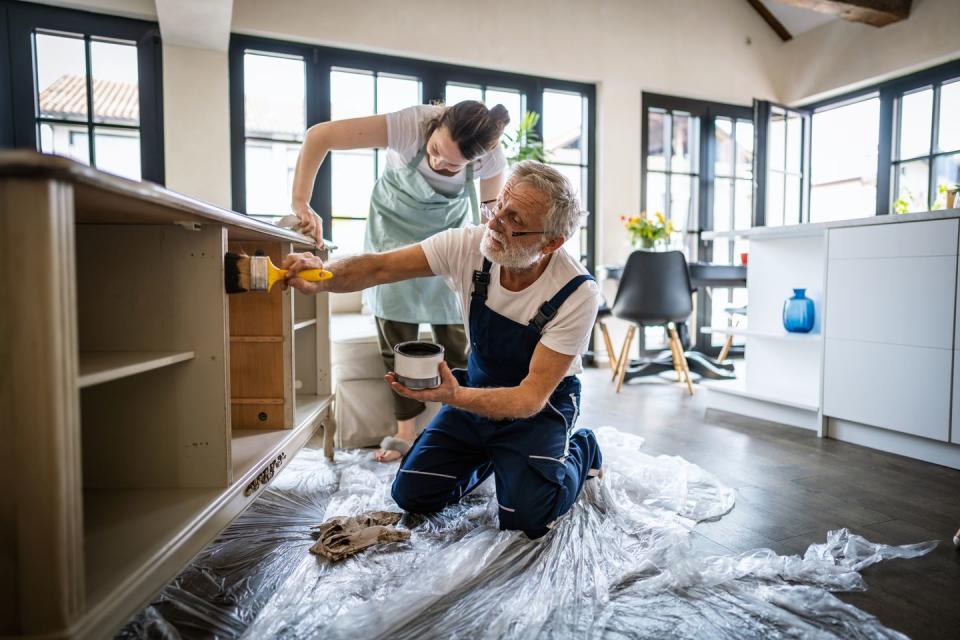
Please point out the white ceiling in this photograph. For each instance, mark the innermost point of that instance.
(797, 20)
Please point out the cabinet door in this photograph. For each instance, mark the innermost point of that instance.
(895, 387)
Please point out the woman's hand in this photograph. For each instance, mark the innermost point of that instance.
(294, 263)
(310, 224)
(445, 393)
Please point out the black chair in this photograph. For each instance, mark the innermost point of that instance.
(654, 290)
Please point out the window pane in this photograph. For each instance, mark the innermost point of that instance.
(794, 148)
(270, 167)
(685, 143)
(949, 120)
(743, 203)
(563, 118)
(791, 207)
(774, 213)
(723, 140)
(721, 251)
(947, 175)
(118, 151)
(459, 92)
(776, 141)
(61, 77)
(116, 88)
(658, 130)
(844, 162)
(395, 93)
(576, 175)
(656, 193)
(683, 202)
(722, 203)
(66, 140)
(574, 246)
(273, 97)
(348, 236)
(744, 149)
(352, 177)
(916, 116)
(912, 180)
(512, 100)
(351, 94)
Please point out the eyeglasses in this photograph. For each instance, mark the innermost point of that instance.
(488, 212)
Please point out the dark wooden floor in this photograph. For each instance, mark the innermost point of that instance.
(793, 487)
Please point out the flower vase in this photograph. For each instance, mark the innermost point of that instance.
(798, 313)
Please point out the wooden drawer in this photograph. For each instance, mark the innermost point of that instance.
(905, 239)
(905, 389)
(907, 301)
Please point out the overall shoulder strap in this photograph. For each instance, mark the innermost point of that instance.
(481, 280)
(415, 162)
(548, 310)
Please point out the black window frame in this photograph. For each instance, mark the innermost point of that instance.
(19, 20)
(706, 111)
(319, 60)
(889, 93)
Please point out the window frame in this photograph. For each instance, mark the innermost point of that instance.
(890, 92)
(17, 87)
(319, 60)
(706, 111)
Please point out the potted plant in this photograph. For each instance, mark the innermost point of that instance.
(645, 232)
(949, 193)
(524, 144)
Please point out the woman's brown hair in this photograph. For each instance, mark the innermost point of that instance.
(474, 128)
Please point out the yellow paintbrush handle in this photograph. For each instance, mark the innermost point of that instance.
(315, 275)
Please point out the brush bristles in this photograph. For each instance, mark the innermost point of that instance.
(236, 273)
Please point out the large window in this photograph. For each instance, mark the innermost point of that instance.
(279, 89)
(86, 86)
(926, 149)
(697, 168)
(843, 167)
(890, 148)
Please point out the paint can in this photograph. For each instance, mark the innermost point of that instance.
(417, 364)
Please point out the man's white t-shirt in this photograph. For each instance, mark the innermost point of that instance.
(455, 254)
(405, 137)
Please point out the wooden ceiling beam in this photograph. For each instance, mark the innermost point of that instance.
(877, 13)
(771, 20)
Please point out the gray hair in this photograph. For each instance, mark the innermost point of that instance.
(564, 213)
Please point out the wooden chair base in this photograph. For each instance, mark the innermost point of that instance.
(676, 349)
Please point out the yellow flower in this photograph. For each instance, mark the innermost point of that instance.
(660, 218)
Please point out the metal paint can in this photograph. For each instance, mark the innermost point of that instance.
(417, 364)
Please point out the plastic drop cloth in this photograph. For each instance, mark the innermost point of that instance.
(619, 565)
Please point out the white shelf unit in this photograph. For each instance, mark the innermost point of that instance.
(780, 381)
(148, 408)
(750, 333)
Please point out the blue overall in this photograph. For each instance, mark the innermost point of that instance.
(539, 463)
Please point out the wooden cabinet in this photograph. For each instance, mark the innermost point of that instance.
(142, 408)
(890, 324)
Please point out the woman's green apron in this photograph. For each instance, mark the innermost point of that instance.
(404, 210)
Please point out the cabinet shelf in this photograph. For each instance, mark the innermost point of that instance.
(751, 333)
(97, 367)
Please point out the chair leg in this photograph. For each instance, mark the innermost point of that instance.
(624, 349)
(625, 357)
(608, 344)
(726, 348)
(677, 357)
(683, 361)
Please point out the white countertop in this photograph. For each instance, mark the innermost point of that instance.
(800, 230)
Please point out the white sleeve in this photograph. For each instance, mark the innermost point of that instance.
(493, 164)
(444, 252)
(403, 130)
(569, 332)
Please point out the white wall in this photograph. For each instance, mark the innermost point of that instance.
(687, 47)
(839, 56)
(196, 118)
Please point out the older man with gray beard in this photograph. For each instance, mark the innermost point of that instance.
(529, 308)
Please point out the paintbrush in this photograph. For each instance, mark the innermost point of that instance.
(242, 273)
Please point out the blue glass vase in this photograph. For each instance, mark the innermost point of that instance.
(798, 312)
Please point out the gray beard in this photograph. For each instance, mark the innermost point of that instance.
(514, 258)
